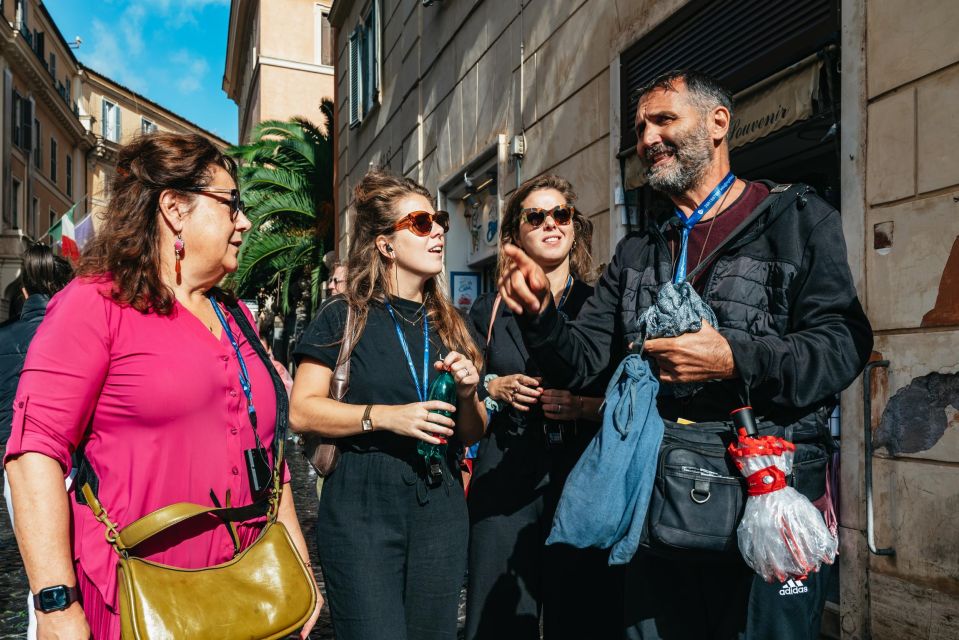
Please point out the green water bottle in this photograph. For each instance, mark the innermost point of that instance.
(444, 390)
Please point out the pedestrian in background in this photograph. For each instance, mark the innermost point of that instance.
(391, 535)
(536, 435)
(43, 275)
(138, 366)
(337, 281)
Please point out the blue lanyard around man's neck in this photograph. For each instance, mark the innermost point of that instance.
(421, 387)
(244, 374)
(694, 217)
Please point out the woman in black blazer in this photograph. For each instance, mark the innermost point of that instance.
(536, 435)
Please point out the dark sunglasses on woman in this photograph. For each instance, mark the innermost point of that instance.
(535, 217)
(236, 205)
(421, 222)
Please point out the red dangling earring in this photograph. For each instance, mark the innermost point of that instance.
(178, 250)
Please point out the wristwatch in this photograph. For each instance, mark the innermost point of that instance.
(55, 598)
(367, 421)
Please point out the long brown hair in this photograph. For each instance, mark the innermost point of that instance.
(580, 260)
(127, 247)
(374, 202)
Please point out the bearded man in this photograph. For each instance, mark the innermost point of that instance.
(771, 262)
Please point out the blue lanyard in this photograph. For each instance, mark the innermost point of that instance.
(244, 374)
(696, 216)
(562, 298)
(421, 388)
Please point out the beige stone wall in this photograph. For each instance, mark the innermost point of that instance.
(911, 264)
(285, 93)
(451, 84)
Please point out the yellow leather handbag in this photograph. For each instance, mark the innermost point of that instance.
(265, 591)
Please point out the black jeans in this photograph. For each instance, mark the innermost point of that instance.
(514, 578)
(680, 599)
(393, 551)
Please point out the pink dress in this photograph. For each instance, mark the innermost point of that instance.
(156, 402)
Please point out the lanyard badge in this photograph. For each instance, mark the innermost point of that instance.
(257, 463)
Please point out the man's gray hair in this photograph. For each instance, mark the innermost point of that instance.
(704, 90)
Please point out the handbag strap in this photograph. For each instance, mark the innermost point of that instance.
(162, 519)
(340, 383)
(492, 318)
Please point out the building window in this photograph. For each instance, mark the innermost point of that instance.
(111, 121)
(53, 160)
(324, 36)
(364, 66)
(146, 126)
(22, 113)
(33, 221)
(37, 145)
(53, 65)
(69, 170)
(14, 219)
(53, 217)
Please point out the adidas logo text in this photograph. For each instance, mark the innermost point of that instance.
(792, 587)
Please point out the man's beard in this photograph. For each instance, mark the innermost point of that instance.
(692, 155)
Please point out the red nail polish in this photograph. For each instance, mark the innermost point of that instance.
(442, 440)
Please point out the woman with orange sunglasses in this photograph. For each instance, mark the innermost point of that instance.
(536, 435)
(391, 525)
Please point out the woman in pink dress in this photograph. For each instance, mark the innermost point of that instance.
(134, 368)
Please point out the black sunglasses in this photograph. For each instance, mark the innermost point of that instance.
(535, 217)
(235, 203)
(421, 222)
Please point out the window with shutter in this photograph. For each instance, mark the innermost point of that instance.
(37, 145)
(26, 125)
(111, 121)
(69, 170)
(53, 160)
(354, 78)
(16, 117)
(326, 40)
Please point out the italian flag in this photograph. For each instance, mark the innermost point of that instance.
(63, 232)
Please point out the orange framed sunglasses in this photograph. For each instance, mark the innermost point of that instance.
(421, 222)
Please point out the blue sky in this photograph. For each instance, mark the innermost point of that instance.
(171, 51)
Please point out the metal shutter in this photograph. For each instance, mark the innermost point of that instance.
(739, 42)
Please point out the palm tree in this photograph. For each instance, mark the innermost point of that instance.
(286, 178)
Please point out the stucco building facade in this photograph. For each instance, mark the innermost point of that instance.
(851, 96)
(279, 60)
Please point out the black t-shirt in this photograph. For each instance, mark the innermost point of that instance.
(379, 373)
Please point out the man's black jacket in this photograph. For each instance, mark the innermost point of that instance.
(14, 340)
(783, 294)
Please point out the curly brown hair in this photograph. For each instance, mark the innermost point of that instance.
(374, 200)
(126, 250)
(580, 260)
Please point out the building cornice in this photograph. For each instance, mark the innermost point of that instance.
(25, 62)
(339, 12)
(270, 61)
(241, 17)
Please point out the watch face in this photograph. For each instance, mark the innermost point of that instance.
(367, 424)
(53, 598)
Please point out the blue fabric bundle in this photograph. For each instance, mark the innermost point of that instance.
(607, 493)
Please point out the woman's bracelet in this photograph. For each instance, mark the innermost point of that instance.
(491, 405)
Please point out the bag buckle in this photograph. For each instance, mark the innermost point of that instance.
(435, 473)
(554, 434)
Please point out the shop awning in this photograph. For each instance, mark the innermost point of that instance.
(775, 103)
